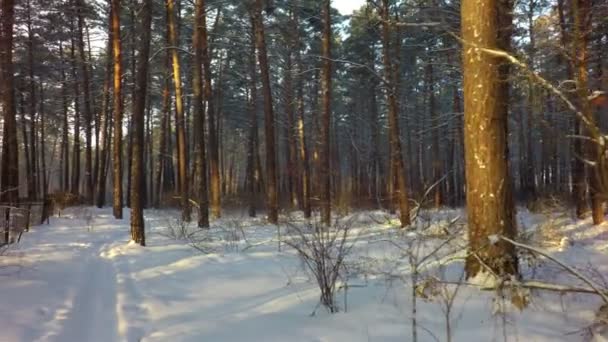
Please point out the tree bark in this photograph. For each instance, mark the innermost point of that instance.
(325, 142)
(118, 108)
(396, 155)
(104, 121)
(487, 24)
(137, 172)
(84, 69)
(271, 172)
(10, 159)
(199, 114)
(582, 26)
(76, 164)
(180, 128)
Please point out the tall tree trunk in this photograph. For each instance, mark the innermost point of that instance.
(269, 130)
(396, 155)
(324, 158)
(301, 128)
(9, 190)
(215, 189)
(438, 195)
(290, 151)
(84, 69)
(65, 142)
(199, 114)
(118, 108)
(33, 175)
(582, 26)
(579, 181)
(43, 172)
(10, 160)
(253, 173)
(487, 24)
(137, 172)
(180, 128)
(104, 121)
(76, 164)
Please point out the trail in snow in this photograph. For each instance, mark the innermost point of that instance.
(93, 314)
(79, 280)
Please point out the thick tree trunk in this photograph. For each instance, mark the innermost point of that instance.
(215, 189)
(324, 158)
(582, 26)
(271, 172)
(253, 173)
(104, 121)
(438, 195)
(180, 128)
(88, 114)
(396, 155)
(199, 115)
(141, 83)
(65, 142)
(579, 181)
(10, 159)
(304, 160)
(118, 108)
(33, 172)
(75, 189)
(487, 24)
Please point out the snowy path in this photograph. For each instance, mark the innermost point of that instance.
(65, 290)
(79, 280)
(93, 315)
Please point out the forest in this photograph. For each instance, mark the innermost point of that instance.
(450, 146)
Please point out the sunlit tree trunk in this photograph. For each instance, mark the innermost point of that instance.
(88, 114)
(324, 158)
(104, 123)
(10, 159)
(582, 29)
(199, 115)
(214, 173)
(118, 107)
(304, 159)
(180, 129)
(396, 156)
(137, 172)
(271, 172)
(487, 24)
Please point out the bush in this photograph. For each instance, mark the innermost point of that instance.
(323, 250)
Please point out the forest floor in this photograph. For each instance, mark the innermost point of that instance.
(79, 279)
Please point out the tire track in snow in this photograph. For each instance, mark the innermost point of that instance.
(93, 314)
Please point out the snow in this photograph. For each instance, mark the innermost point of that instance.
(81, 279)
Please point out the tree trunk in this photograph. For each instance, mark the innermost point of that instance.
(215, 189)
(33, 174)
(487, 24)
(253, 173)
(582, 25)
(104, 121)
(118, 107)
(199, 114)
(271, 172)
(141, 83)
(301, 131)
(88, 114)
(180, 128)
(76, 164)
(324, 158)
(10, 159)
(65, 142)
(396, 155)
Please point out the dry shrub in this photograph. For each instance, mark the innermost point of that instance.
(323, 250)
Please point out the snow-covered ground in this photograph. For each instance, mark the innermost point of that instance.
(79, 279)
